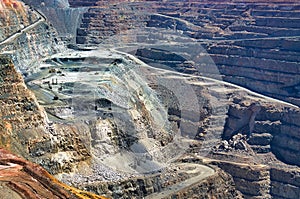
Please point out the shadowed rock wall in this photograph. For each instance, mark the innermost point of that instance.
(261, 181)
(274, 129)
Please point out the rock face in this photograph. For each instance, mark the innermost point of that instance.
(96, 109)
(59, 14)
(251, 127)
(284, 183)
(26, 37)
(237, 43)
(252, 42)
(22, 179)
(219, 185)
(20, 111)
(275, 129)
(268, 136)
(104, 22)
(57, 147)
(250, 180)
(261, 181)
(25, 128)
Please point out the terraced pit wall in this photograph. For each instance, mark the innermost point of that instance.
(274, 130)
(254, 44)
(21, 117)
(264, 182)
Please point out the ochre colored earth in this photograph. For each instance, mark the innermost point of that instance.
(22, 179)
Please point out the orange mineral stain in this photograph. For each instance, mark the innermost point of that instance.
(12, 5)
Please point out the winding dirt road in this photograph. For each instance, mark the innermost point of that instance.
(201, 172)
(14, 36)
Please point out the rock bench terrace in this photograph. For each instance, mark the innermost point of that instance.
(150, 99)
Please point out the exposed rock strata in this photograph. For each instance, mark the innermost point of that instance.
(275, 129)
(252, 43)
(59, 14)
(263, 181)
(269, 136)
(22, 179)
(20, 112)
(26, 130)
(27, 38)
(219, 185)
(254, 116)
(268, 124)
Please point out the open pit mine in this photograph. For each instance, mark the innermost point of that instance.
(150, 99)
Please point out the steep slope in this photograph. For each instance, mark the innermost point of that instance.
(22, 179)
(26, 129)
(20, 112)
(26, 37)
(60, 15)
